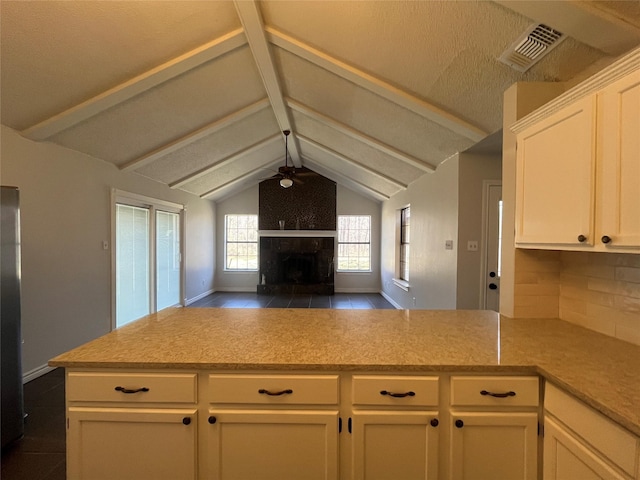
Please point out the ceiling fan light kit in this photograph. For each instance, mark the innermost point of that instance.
(286, 182)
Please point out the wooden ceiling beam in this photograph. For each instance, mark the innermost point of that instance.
(195, 135)
(343, 179)
(136, 86)
(267, 142)
(341, 157)
(377, 86)
(246, 179)
(254, 29)
(360, 137)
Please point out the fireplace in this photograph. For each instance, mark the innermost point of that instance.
(296, 265)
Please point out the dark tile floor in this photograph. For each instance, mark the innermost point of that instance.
(40, 454)
(365, 301)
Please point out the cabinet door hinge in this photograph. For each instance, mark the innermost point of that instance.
(349, 425)
(339, 425)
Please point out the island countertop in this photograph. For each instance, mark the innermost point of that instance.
(600, 370)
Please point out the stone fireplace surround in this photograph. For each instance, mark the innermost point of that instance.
(296, 264)
(297, 235)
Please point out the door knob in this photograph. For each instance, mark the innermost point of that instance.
(493, 286)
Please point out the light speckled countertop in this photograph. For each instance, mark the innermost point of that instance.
(600, 370)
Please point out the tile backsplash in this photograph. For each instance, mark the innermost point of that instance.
(599, 291)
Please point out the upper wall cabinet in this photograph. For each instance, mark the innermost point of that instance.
(578, 166)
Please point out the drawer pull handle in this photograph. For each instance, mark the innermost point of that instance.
(288, 391)
(398, 395)
(128, 390)
(499, 395)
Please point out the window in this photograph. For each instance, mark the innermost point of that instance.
(241, 243)
(354, 243)
(405, 217)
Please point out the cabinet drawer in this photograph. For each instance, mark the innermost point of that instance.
(494, 391)
(274, 389)
(392, 390)
(131, 387)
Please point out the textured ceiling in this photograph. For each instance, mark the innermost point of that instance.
(196, 94)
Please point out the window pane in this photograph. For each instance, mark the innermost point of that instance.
(167, 259)
(132, 263)
(241, 249)
(354, 238)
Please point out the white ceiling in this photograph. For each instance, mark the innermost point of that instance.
(195, 94)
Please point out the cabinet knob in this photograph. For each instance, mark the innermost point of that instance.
(212, 419)
(434, 422)
(459, 423)
(606, 239)
(582, 238)
(186, 420)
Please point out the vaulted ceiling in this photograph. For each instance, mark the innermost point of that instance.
(196, 94)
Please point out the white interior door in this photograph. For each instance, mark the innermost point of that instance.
(493, 236)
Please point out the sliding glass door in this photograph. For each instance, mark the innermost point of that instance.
(148, 257)
(167, 259)
(132, 263)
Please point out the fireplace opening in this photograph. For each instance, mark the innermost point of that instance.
(297, 268)
(296, 265)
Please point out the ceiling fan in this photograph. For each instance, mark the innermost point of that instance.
(287, 174)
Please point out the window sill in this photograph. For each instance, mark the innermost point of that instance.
(357, 272)
(403, 284)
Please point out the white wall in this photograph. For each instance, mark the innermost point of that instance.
(348, 202)
(65, 216)
(473, 170)
(434, 220)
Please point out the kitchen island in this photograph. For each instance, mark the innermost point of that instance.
(214, 355)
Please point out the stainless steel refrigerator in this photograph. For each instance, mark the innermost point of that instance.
(12, 414)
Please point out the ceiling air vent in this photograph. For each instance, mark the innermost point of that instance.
(531, 46)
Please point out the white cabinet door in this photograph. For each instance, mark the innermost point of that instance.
(567, 458)
(555, 177)
(272, 445)
(488, 446)
(392, 445)
(619, 162)
(131, 443)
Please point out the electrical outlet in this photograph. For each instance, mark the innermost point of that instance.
(448, 245)
(105, 245)
(472, 245)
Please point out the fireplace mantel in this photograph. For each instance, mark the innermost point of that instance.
(297, 233)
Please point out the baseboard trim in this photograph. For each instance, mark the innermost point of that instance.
(198, 297)
(36, 372)
(390, 300)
